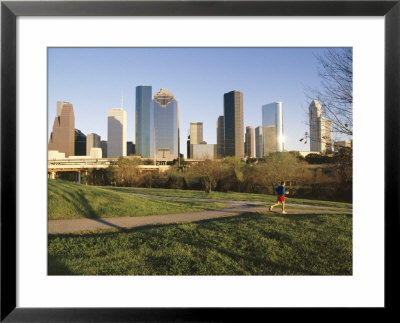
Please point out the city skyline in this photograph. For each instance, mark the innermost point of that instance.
(201, 76)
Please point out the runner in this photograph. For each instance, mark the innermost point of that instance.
(280, 190)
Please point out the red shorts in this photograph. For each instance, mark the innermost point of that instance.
(281, 198)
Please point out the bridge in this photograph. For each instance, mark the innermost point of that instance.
(79, 165)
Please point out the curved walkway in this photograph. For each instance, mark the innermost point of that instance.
(235, 208)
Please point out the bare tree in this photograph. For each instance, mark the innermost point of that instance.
(335, 69)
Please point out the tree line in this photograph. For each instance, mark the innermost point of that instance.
(314, 176)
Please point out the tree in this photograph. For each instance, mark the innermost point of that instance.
(102, 176)
(126, 172)
(208, 172)
(335, 69)
(233, 173)
(344, 165)
(279, 167)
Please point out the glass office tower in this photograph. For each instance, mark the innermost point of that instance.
(166, 122)
(233, 124)
(144, 132)
(272, 115)
(80, 143)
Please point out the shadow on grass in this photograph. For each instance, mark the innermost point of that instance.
(82, 206)
(250, 260)
(143, 228)
(56, 267)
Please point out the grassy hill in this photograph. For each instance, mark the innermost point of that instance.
(257, 243)
(252, 244)
(67, 200)
(226, 196)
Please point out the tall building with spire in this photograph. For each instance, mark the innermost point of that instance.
(116, 134)
(166, 123)
(62, 138)
(233, 124)
(320, 129)
(249, 142)
(273, 138)
(144, 122)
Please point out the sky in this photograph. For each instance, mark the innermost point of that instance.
(95, 79)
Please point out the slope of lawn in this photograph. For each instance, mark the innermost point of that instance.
(226, 196)
(68, 200)
(252, 244)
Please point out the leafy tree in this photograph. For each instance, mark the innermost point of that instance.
(102, 176)
(344, 165)
(279, 167)
(233, 169)
(209, 172)
(126, 173)
(318, 159)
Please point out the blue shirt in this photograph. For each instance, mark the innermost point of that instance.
(280, 190)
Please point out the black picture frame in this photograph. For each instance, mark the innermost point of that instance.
(10, 10)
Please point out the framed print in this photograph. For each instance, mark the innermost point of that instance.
(39, 42)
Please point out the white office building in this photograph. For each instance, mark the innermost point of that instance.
(320, 129)
(92, 141)
(116, 143)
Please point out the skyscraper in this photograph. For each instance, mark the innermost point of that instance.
(196, 135)
(144, 121)
(62, 137)
(249, 142)
(188, 147)
(272, 115)
(130, 148)
(269, 140)
(166, 122)
(116, 141)
(103, 145)
(196, 132)
(259, 142)
(220, 137)
(233, 124)
(320, 129)
(92, 141)
(80, 143)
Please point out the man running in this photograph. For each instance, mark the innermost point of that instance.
(280, 190)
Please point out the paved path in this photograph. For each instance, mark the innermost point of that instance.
(234, 208)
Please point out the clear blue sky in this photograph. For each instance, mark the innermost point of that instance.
(93, 80)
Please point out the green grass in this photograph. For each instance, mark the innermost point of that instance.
(227, 196)
(252, 244)
(68, 200)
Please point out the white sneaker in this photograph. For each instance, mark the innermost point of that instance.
(284, 212)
